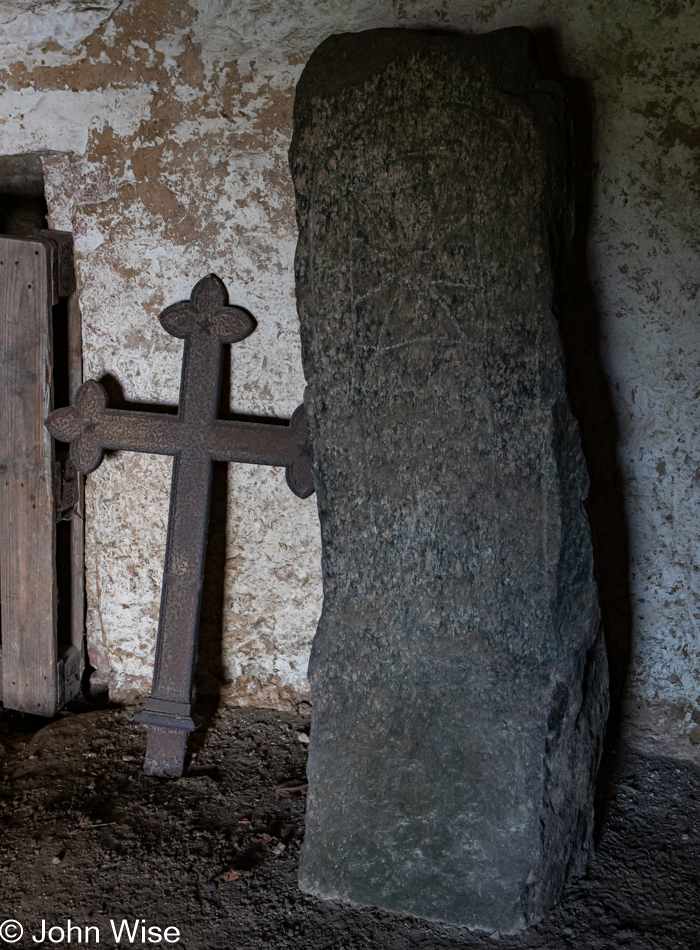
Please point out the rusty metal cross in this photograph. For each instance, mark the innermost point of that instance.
(195, 438)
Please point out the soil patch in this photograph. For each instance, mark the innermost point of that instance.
(86, 836)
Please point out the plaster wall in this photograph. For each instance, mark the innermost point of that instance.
(164, 129)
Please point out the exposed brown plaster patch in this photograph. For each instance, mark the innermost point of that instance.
(269, 691)
(190, 63)
(275, 118)
(144, 21)
(676, 132)
(487, 11)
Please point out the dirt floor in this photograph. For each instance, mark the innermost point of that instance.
(86, 837)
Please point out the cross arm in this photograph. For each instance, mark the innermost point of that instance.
(261, 443)
(139, 431)
(91, 427)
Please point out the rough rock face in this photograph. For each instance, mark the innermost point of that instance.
(458, 674)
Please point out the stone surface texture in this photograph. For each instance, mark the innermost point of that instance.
(164, 128)
(458, 675)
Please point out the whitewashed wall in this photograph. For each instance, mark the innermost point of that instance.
(168, 125)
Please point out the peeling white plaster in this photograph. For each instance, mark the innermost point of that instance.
(62, 121)
(26, 26)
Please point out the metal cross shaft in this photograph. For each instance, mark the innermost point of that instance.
(196, 439)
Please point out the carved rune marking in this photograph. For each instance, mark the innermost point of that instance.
(196, 438)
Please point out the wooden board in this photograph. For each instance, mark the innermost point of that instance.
(27, 512)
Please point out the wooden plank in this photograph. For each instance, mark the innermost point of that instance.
(70, 669)
(27, 512)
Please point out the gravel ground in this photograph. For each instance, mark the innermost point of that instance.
(87, 837)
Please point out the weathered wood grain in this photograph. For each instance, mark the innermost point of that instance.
(27, 534)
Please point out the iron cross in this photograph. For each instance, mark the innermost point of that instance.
(195, 438)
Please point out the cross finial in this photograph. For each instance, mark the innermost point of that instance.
(207, 313)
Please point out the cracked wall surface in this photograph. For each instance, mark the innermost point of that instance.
(164, 129)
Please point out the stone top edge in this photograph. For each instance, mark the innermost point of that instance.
(505, 58)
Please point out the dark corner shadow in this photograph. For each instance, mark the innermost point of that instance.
(209, 676)
(591, 401)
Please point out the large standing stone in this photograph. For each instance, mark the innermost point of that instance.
(458, 673)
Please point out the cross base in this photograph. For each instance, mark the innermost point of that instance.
(165, 752)
(168, 724)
